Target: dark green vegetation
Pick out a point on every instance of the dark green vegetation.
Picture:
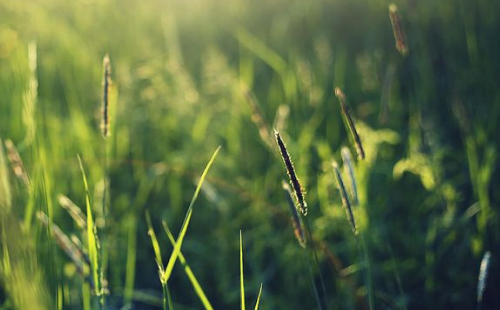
(181, 71)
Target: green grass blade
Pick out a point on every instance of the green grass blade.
(156, 245)
(196, 285)
(242, 285)
(270, 57)
(91, 233)
(258, 298)
(187, 219)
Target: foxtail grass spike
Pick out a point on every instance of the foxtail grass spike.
(297, 188)
(397, 30)
(344, 197)
(74, 211)
(17, 163)
(483, 273)
(349, 169)
(106, 82)
(297, 224)
(350, 122)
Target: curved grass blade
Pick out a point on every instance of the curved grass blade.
(189, 272)
(187, 219)
(91, 234)
(258, 298)
(156, 245)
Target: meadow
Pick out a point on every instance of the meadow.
(181, 198)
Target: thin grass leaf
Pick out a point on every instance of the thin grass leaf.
(242, 284)
(156, 245)
(91, 234)
(196, 285)
(258, 298)
(187, 219)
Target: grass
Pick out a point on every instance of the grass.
(187, 77)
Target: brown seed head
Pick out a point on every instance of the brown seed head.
(397, 29)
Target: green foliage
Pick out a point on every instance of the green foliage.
(183, 73)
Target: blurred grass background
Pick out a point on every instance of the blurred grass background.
(428, 121)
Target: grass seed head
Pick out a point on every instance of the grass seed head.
(350, 122)
(297, 223)
(297, 188)
(483, 273)
(349, 170)
(343, 196)
(397, 29)
(74, 211)
(17, 163)
(106, 83)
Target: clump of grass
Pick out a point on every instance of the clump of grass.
(94, 245)
(350, 122)
(297, 188)
(483, 274)
(397, 29)
(165, 272)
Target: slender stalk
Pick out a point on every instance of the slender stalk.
(316, 262)
(367, 270)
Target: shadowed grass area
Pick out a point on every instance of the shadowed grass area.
(420, 78)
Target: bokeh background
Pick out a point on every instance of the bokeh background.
(182, 74)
